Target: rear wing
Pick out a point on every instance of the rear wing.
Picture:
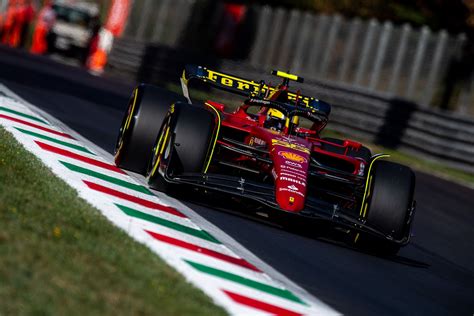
(230, 83)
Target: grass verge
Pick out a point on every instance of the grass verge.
(60, 256)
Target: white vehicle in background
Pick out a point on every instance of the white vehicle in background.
(3, 10)
(76, 25)
(3, 5)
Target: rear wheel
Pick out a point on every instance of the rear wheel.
(388, 206)
(183, 145)
(363, 151)
(147, 108)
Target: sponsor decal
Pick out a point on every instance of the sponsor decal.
(300, 172)
(232, 82)
(293, 175)
(294, 164)
(291, 191)
(247, 85)
(293, 180)
(292, 157)
(257, 141)
(293, 187)
(285, 138)
(286, 144)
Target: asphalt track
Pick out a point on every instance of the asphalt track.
(434, 275)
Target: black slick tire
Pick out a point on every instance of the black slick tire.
(147, 108)
(389, 205)
(187, 147)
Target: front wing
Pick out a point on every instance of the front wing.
(315, 210)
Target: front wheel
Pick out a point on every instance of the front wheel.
(146, 110)
(184, 144)
(388, 206)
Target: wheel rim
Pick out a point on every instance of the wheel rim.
(125, 125)
(159, 149)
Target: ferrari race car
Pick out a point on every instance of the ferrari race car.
(268, 153)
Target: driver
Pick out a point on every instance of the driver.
(275, 120)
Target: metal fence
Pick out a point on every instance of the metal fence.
(160, 21)
(380, 57)
(392, 60)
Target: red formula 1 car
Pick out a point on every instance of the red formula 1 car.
(268, 152)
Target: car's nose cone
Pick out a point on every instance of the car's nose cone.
(291, 168)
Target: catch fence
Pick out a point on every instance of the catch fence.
(395, 60)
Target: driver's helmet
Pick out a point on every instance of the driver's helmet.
(275, 120)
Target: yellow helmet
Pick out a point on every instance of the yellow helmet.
(276, 114)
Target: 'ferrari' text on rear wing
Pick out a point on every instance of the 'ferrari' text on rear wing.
(233, 84)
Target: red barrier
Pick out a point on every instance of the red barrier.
(44, 23)
(16, 21)
(114, 27)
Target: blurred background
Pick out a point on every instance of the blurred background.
(398, 73)
(420, 50)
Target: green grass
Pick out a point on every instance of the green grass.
(60, 256)
(418, 163)
(428, 166)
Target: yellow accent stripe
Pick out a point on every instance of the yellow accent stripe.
(215, 139)
(365, 210)
(367, 183)
(129, 118)
(286, 75)
(160, 153)
(158, 144)
(370, 184)
(183, 76)
(356, 237)
(127, 123)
